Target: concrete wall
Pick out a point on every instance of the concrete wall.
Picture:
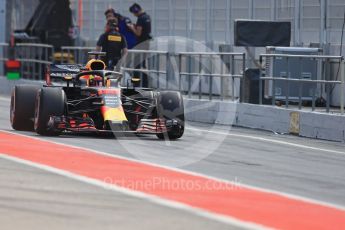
(212, 21)
(209, 21)
(275, 119)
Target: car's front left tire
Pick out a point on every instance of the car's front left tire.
(49, 102)
(23, 107)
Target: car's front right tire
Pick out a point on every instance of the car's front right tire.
(170, 107)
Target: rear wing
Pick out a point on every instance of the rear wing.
(61, 72)
(58, 70)
(73, 72)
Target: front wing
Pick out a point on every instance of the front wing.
(77, 124)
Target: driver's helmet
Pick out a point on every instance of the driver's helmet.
(93, 80)
(95, 64)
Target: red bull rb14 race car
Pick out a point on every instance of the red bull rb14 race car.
(91, 99)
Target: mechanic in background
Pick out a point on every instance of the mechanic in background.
(113, 44)
(123, 24)
(142, 29)
(109, 16)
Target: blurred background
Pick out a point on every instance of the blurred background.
(316, 22)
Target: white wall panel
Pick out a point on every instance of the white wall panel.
(210, 21)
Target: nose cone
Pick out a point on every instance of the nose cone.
(113, 114)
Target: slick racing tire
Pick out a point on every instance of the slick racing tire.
(49, 102)
(23, 107)
(170, 107)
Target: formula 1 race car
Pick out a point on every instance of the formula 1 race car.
(91, 99)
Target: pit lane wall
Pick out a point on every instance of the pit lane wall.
(279, 120)
(264, 117)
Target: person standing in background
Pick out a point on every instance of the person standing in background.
(109, 16)
(113, 44)
(123, 25)
(142, 30)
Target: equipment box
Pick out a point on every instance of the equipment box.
(292, 67)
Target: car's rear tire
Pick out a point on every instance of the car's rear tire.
(23, 107)
(49, 102)
(170, 107)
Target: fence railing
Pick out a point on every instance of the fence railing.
(152, 64)
(202, 75)
(197, 74)
(323, 64)
(3, 56)
(33, 57)
(218, 70)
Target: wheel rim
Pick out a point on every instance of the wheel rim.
(12, 109)
(37, 111)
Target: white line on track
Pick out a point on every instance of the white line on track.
(256, 138)
(265, 190)
(141, 195)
